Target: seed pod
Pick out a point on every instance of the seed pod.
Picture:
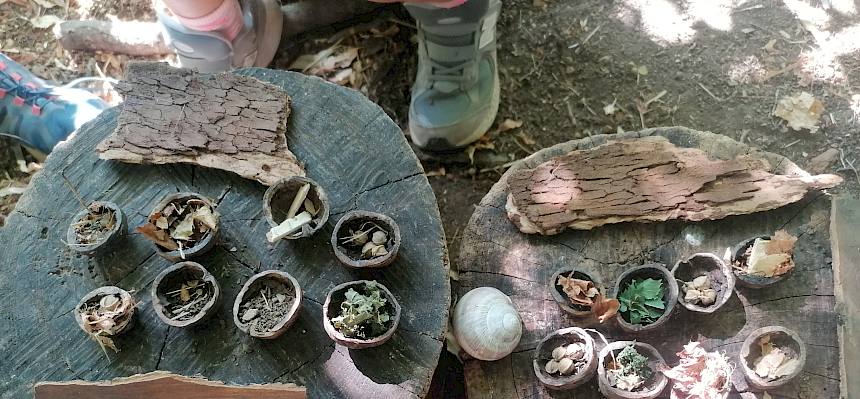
(565, 366)
(367, 249)
(379, 250)
(379, 237)
(551, 367)
(558, 353)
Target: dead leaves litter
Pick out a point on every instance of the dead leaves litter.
(181, 224)
(769, 258)
(700, 374)
(801, 111)
(775, 362)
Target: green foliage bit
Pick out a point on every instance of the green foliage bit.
(363, 316)
(642, 301)
(633, 363)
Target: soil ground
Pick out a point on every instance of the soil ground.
(570, 70)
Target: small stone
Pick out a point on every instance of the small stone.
(379, 237)
(566, 366)
(702, 282)
(708, 297)
(558, 353)
(575, 351)
(692, 295)
(280, 298)
(250, 314)
(551, 367)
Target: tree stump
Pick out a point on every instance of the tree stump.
(495, 253)
(347, 144)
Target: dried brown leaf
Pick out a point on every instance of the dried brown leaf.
(158, 236)
(604, 308)
(578, 291)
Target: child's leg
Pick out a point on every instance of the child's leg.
(208, 15)
(217, 35)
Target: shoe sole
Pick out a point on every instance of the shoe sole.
(268, 31)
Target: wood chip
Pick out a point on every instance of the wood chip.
(288, 227)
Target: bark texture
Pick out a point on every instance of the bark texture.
(647, 179)
(495, 253)
(161, 384)
(222, 121)
(333, 129)
(122, 37)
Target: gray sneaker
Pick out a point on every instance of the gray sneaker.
(255, 45)
(456, 92)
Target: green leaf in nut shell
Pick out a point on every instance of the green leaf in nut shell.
(363, 315)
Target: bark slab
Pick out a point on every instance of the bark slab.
(222, 121)
(647, 180)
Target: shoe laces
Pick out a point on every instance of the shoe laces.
(449, 73)
(29, 93)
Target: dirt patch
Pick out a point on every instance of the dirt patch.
(267, 306)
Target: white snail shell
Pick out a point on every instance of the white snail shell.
(486, 324)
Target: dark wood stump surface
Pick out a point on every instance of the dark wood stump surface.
(347, 144)
(494, 253)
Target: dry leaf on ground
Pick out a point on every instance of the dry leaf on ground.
(801, 111)
(45, 21)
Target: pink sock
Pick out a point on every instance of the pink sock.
(227, 18)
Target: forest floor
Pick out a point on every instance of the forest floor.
(568, 70)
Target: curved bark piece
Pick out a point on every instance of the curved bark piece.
(222, 121)
(647, 180)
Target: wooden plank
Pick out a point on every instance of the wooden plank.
(495, 253)
(164, 385)
(845, 220)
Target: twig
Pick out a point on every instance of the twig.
(263, 294)
(755, 7)
(182, 309)
(791, 144)
(848, 165)
(709, 93)
(502, 166)
(570, 113)
(75, 192)
(523, 147)
(587, 38)
(774, 74)
(585, 103)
